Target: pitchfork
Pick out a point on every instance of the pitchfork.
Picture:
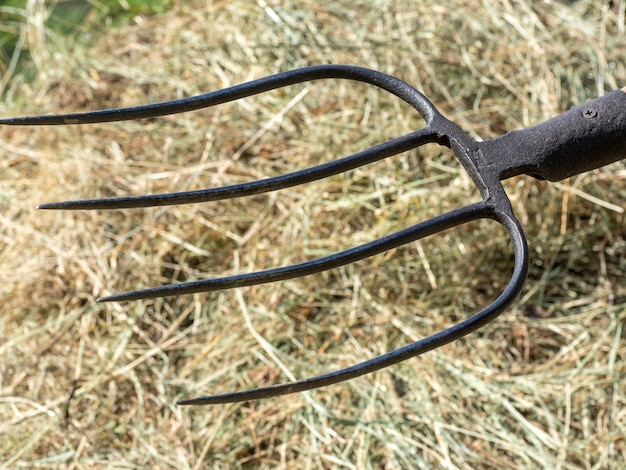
(581, 139)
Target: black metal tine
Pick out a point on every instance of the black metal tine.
(420, 230)
(255, 87)
(434, 341)
(307, 175)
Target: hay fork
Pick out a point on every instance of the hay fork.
(581, 139)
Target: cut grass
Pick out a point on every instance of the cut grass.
(90, 385)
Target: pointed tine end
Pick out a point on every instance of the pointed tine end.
(287, 388)
(67, 205)
(128, 296)
(126, 202)
(202, 401)
(81, 204)
(50, 119)
(13, 121)
(235, 397)
(167, 290)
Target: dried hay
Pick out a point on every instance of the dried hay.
(89, 385)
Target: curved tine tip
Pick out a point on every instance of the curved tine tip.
(287, 388)
(123, 297)
(91, 204)
(212, 400)
(167, 290)
(49, 206)
(46, 119)
(11, 121)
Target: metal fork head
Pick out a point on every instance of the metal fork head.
(486, 162)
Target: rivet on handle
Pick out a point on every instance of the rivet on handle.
(590, 113)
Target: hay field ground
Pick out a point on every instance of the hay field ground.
(87, 385)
